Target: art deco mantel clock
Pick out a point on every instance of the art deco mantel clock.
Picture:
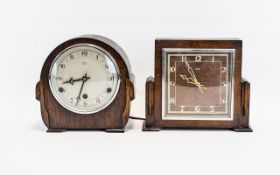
(86, 83)
(197, 84)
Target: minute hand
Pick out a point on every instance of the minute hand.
(84, 79)
(193, 79)
(190, 70)
(79, 96)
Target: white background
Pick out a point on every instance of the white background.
(29, 30)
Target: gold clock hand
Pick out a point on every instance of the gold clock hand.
(193, 80)
(196, 83)
(190, 70)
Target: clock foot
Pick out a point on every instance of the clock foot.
(242, 129)
(55, 130)
(115, 130)
(150, 128)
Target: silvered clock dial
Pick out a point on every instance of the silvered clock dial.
(84, 78)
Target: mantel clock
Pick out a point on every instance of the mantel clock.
(86, 83)
(197, 84)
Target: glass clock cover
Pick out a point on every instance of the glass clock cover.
(84, 78)
(197, 84)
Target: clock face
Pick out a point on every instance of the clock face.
(84, 78)
(197, 84)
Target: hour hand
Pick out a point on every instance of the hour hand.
(70, 81)
(194, 81)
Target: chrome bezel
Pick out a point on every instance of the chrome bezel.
(79, 111)
(166, 116)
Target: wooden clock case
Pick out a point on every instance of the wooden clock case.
(154, 121)
(113, 118)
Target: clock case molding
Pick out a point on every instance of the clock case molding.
(240, 122)
(113, 118)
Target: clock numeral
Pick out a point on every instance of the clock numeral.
(71, 56)
(62, 66)
(172, 83)
(212, 109)
(182, 108)
(172, 69)
(99, 58)
(97, 100)
(106, 66)
(84, 53)
(172, 100)
(85, 104)
(71, 100)
(197, 108)
(110, 78)
(184, 58)
(198, 59)
(223, 69)
(58, 78)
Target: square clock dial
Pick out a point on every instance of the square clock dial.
(197, 82)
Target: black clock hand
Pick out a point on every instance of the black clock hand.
(72, 81)
(79, 96)
(84, 79)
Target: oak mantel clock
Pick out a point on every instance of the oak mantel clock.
(197, 84)
(86, 83)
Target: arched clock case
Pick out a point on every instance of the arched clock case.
(114, 113)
